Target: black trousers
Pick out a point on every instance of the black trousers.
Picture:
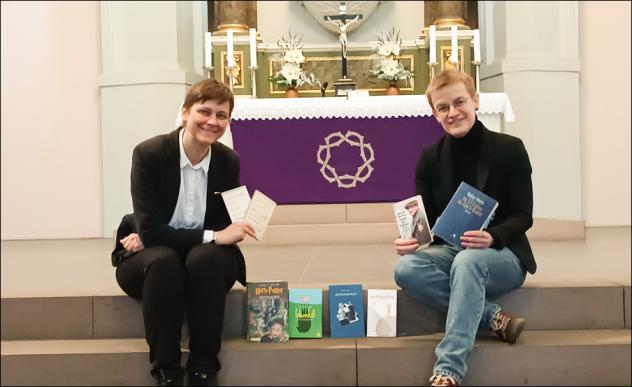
(170, 285)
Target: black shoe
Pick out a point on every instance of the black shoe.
(202, 378)
(163, 378)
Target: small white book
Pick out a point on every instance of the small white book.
(381, 313)
(237, 201)
(412, 221)
(259, 213)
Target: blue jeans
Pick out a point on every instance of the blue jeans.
(459, 282)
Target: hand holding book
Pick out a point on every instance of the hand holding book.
(249, 216)
(235, 232)
(476, 239)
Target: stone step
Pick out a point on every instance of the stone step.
(545, 307)
(375, 227)
(538, 358)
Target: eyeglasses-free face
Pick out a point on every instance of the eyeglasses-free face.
(455, 109)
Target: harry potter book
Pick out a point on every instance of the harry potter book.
(267, 311)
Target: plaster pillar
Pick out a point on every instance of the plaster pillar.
(444, 14)
(235, 15)
(530, 51)
(152, 52)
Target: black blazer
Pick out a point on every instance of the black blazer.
(503, 172)
(155, 185)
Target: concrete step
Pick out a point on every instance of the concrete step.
(545, 307)
(377, 225)
(538, 358)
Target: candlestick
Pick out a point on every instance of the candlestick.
(454, 56)
(432, 37)
(230, 56)
(208, 53)
(231, 77)
(478, 77)
(477, 46)
(253, 81)
(431, 68)
(253, 47)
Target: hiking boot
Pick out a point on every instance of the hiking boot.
(442, 380)
(507, 327)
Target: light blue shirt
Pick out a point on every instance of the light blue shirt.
(191, 206)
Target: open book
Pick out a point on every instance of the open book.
(469, 209)
(256, 211)
(412, 222)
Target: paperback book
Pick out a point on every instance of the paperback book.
(412, 221)
(256, 211)
(381, 313)
(267, 311)
(469, 209)
(346, 311)
(306, 313)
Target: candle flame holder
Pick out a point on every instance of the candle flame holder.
(253, 81)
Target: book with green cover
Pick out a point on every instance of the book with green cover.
(267, 311)
(306, 313)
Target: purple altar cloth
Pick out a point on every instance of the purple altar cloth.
(288, 159)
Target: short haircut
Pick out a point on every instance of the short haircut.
(209, 89)
(447, 78)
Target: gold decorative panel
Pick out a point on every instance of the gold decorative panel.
(329, 69)
(238, 70)
(446, 52)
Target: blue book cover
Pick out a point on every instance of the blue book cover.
(469, 209)
(346, 311)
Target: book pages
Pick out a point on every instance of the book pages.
(259, 213)
(237, 201)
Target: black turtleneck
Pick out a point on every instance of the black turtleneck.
(465, 154)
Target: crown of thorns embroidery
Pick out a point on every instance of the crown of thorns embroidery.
(354, 139)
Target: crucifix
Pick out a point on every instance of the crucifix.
(340, 21)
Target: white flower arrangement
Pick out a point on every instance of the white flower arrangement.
(291, 73)
(386, 66)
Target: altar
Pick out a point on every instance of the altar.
(338, 150)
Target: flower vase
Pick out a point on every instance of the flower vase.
(291, 92)
(392, 88)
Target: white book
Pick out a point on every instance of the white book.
(237, 201)
(412, 221)
(381, 313)
(259, 213)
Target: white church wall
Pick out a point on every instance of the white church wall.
(605, 111)
(52, 179)
(51, 139)
(541, 76)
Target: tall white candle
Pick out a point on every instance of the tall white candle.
(229, 49)
(454, 56)
(253, 47)
(477, 45)
(432, 36)
(208, 50)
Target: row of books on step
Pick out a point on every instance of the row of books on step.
(277, 314)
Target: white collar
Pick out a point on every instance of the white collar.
(184, 160)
